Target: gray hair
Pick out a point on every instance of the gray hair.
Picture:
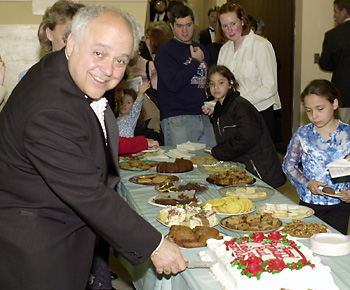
(260, 22)
(87, 14)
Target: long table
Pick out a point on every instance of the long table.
(145, 277)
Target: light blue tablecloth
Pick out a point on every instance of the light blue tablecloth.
(144, 275)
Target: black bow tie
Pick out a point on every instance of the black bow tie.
(211, 29)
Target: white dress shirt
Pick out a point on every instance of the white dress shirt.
(255, 69)
(99, 108)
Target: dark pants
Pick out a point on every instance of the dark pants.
(100, 275)
(273, 121)
(335, 215)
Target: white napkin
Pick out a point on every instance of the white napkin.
(339, 163)
(338, 168)
(176, 153)
(190, 146)
(160, 154)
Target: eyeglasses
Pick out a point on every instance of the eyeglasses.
(159, 3)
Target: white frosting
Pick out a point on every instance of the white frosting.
(229, 277)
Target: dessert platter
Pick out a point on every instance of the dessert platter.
(267, 262)
(220, 167)
(300, 229)
(137, 165)
(231, 176)
(152, 179)
(286, 211)
(182, 186)
(253, 192)
(174, 198)
(197, 237)
(190, 215)
(230, 205)
(250, 223)
(204, 160)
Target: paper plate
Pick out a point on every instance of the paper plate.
(302, 212)
(248, 188)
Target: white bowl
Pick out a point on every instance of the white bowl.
(330, 244)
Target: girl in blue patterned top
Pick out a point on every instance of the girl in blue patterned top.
(315, 145)
(129, 108)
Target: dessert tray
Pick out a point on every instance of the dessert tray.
(256, 226)
(187, 223)
(253, 192)
(216, 183)
(152, 179)
(137, 165)
(220, 167)
(182, 185)
(302, 230)
(230, 205)
(286, 211)
(151, 201)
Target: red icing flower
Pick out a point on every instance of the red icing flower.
(258, 237)
(253, 265)
(276, 264)
(275, 235)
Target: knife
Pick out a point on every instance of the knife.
(199, 264)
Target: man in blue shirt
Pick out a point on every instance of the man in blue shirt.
(182, 69)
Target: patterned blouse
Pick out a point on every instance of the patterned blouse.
(127, 124)
(308, 147)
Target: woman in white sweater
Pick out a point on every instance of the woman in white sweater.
(252, 60)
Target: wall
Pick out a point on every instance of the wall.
(19, 45)
(313, 19)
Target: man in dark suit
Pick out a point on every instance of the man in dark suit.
(207, 35)
(335, 55)
(59, 163)
(159, 12)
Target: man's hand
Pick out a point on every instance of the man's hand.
(168, 258)
(197, 53)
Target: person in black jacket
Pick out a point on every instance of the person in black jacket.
(240, 130)
(335, 56)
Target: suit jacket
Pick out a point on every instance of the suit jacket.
(204, 37)
(335, 57)
(153, 15)
(56, 180)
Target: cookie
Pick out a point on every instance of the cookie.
(328, 190)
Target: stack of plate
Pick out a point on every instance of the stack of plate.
(330, 244)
